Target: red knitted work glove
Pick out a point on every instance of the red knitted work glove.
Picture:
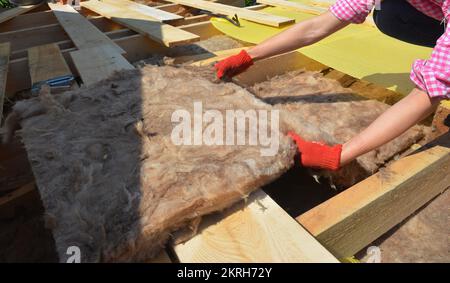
(317, 154)
(233, 65)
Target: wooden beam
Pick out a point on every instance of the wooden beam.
(29, 20)
(258, 231)
(204, 30)
(5, 50)
(356, 217)
(254, 16)
(157, 14)
(52, 32)
(29, 37)
(98, 63)
(154, 29)
(80, 30)
(46, 62)
(24, 196)
(137, 46)
(170, 7)
(11, 13)
(8, 198)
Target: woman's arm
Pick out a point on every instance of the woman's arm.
(300, 35)
(391, 124)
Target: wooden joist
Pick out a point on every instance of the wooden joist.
(256, 231)
(254, 16)
(98, 63)
(154, 29)
(157, 14)
(46, 62)
(5, 50)
(356, 217)
(11, 13)
(80, 30)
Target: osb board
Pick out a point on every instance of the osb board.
(113, 182)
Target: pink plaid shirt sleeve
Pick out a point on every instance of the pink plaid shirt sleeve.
(432, 75)
(354, 11)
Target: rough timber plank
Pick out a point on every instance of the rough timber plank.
(254, 16)
(11, 13)
(46, 62)
(98, 63)
(163, 33)
(80, 30)
(356, 217)
(259, 231)
(4, 66)
(146, 10)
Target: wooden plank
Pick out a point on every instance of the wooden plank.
(24, 196)
(10, 197)
(5, 50)
(356, 217)
(254, 16)
(11, 13)
(157, 14)
(259, 231)
(98, 63)
(29, 20)
(80, 30)
(204, 30)
(46, 62)
(294, 5)
(162, 33)
(137, 46)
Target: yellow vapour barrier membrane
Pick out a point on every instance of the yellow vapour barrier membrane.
(361, 51)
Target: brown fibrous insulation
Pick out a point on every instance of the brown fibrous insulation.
(112, 181)
(320, 109)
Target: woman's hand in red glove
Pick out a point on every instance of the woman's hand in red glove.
(233, 65)
(318, 155)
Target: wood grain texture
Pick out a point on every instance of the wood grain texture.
(157, 14)
(254, 16)
(98, 63)
(154, 29)
(5, 50)
(80, 30)
(356, 217)
(259, 231)
(11, 13)
(46, 62)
